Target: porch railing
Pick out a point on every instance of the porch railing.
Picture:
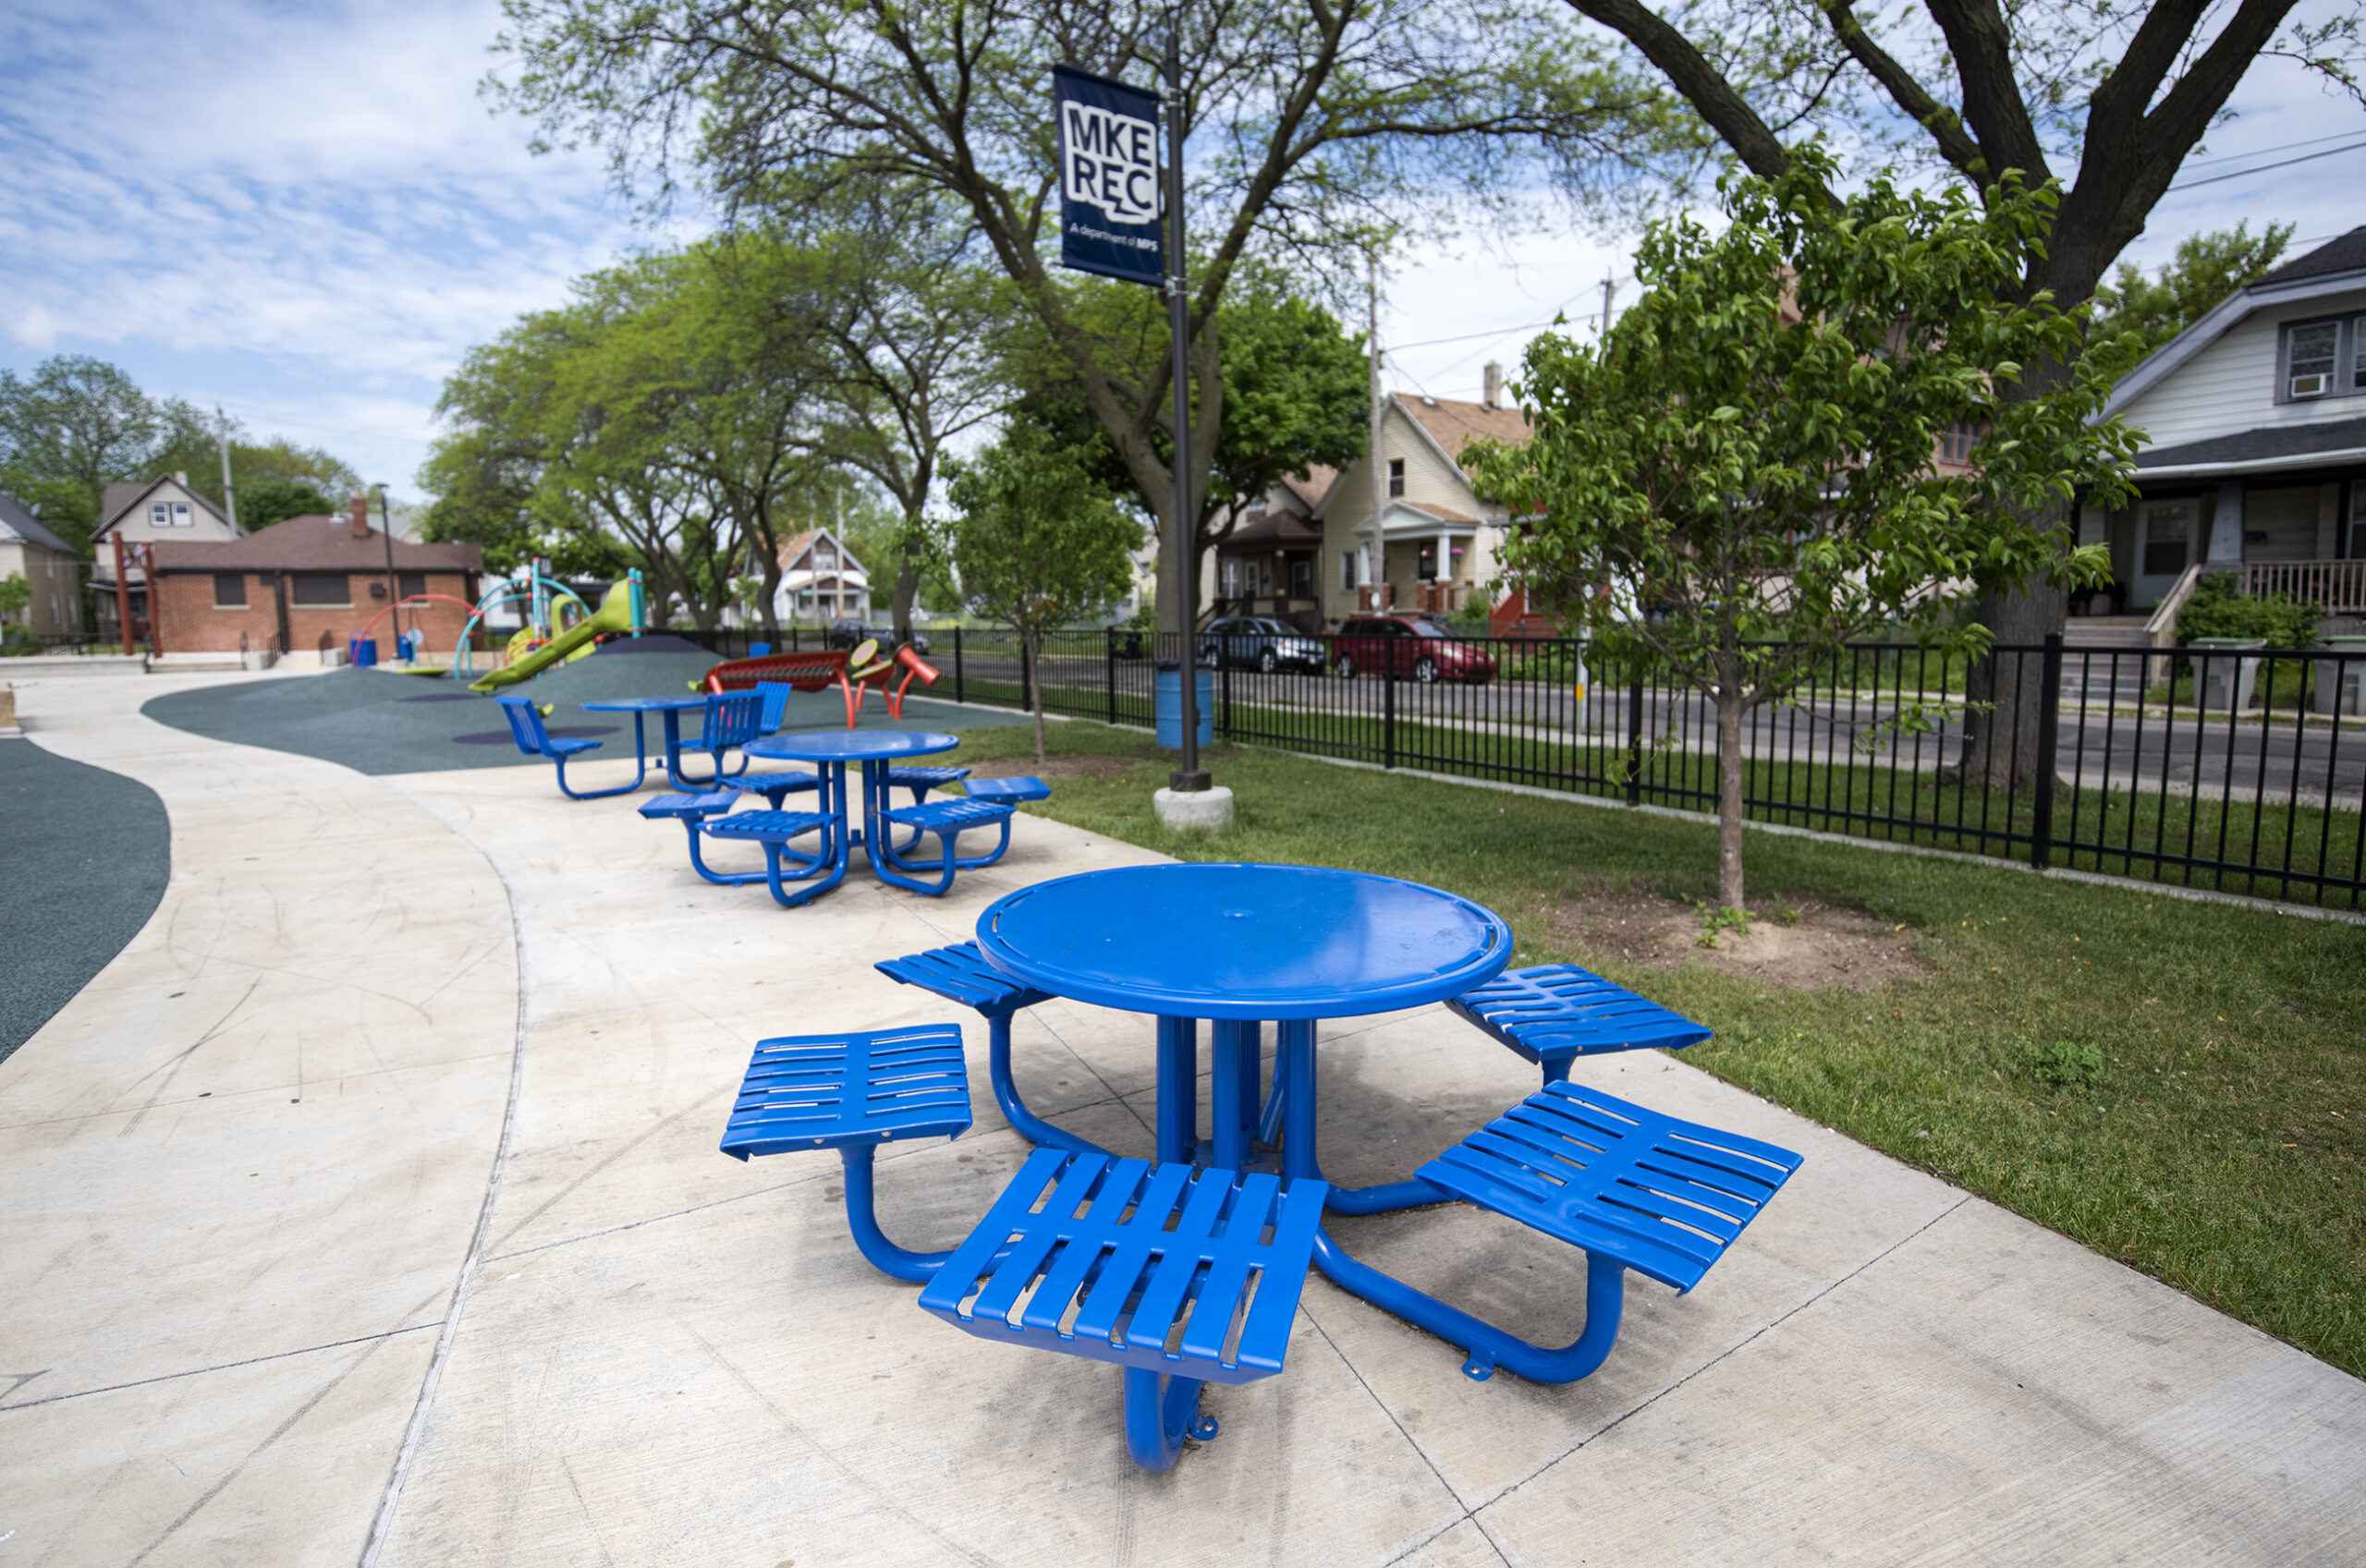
(2339, 586)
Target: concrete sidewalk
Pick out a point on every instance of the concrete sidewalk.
(236, 1263)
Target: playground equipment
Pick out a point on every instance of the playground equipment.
(414, 601)
(542, 642)
(867, 671)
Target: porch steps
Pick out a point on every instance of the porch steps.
(2089, 675)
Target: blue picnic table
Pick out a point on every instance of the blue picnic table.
(879, 751)
(672, 709)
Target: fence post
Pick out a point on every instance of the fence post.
(1109, 652)
(1387, 714)
(961, 693)
(1635, 741)
(1026, 679)
(1224, 709)
(2049, 724)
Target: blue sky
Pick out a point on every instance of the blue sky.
(306, 214)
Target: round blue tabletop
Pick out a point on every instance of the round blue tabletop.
(644, 704)
(850, 745)
(1244, 941)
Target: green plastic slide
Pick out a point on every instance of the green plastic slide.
(614, 615)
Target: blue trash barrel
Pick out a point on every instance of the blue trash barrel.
(1167, 691)
(360, 650)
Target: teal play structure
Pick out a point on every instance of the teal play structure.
(544, 640)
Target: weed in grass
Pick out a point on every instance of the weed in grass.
(2067, 1064)
(1715, 922)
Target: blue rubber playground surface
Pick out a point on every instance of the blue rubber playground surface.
(377, 721)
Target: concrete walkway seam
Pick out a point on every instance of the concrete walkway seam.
(383, 1526)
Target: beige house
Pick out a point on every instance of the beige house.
(1407, 531)
(164, 511)
(821, 581)
(49, 566)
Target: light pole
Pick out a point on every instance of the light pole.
(386, 529)
(1188, 778)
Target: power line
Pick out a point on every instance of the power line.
(2263, 151)
(2286, 163)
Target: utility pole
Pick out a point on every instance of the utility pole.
(1188, 778)
(229, 495)
(393, 588)
(1375, 554)
(1609, 287)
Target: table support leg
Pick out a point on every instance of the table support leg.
(869, 1239)
(1232, 1097)
(1179, 1089)
(1156, 1424)
(1028, 1125)
(1294, 1085)
(1485, 1346)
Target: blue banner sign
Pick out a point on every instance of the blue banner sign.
(1109, 186)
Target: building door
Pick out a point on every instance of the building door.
(2165, 534)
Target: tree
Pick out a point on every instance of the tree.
(66, 432)
(2134, 314)
(262, 503)
(1741, 479)
(1037, 541)
(1324, 126)
(1298, 390)
(1971, 89)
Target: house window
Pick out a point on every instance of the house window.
(181, 518)
(1397, 476)
(160, 516)
(320, 587)
(2166, 537)
(229, 590)
(1426, 564)
(1346, 571)
(2310, 355)
(1302, 577)
(414, 584)
(1956, 443)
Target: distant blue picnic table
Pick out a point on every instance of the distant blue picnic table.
(878, 751)
(671, 708)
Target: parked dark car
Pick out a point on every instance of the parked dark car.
(1259, 642)
(1398, 647)
(854, 634)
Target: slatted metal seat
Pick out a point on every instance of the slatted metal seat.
(775, 787)
(775, 831)
(853, 1092)
(1556, 1013)
(1008, 792)
(962, 974)
(688, 807)
(947, 820)
(534, 739)
(1172, 1269)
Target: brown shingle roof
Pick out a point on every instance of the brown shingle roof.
(1309, 487)
(313, 544)
(122, 495)
(1453, 425)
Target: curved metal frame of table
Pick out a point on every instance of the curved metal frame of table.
(671, 710)
(874, 836)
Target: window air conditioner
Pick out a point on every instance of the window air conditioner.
(2310, 386)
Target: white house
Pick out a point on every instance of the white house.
(2255, 459)
(821, 581)
(49, 566)
(160, 511)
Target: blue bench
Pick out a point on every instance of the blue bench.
(775, 787)
(690, 810)
(853, 1092)
(1113, 1259)
(526, 729)
(1556, 1013)
(1635, 1189)
(1008, 792)
(947, 820)
(775, 831)
(962, 974)
(731, 719)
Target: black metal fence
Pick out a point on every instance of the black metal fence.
(2238, 771)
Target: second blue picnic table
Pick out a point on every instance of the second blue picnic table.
(878, 751)
(671, 708)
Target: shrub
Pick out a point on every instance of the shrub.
(2216, 610)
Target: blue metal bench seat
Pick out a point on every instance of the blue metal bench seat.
(947, 820)
(962, 974)
(1116, 1260)
(1008, 792)
(853, 1092)
(533, 739)
(775, 831)
(1556, 1013)
(1634, 1188)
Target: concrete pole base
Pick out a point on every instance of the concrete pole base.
(1206, 811)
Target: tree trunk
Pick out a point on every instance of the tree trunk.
(1030, 670)
(907, 589)
(2001, 733)
(1729, 786)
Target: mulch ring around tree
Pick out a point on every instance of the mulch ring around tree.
(1807, 946)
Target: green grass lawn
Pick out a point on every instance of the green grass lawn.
(2220, 1146)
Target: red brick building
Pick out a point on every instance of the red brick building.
(306, 584)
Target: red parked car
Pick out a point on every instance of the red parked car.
(1398, 647)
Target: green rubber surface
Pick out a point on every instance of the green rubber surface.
(84, 856)
(378, 721)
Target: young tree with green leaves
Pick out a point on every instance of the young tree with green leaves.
(2134, 314)
(1320, 127)
(1038, 542)
(1742, 479)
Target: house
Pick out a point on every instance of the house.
(2255, 459)
(306, 584)
(49, 566)
(164, 511)
(821, 581)
(1272, 561)
(1417, 537)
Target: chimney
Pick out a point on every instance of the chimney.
(1495, 393)
(181, 478)
(361, 516)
